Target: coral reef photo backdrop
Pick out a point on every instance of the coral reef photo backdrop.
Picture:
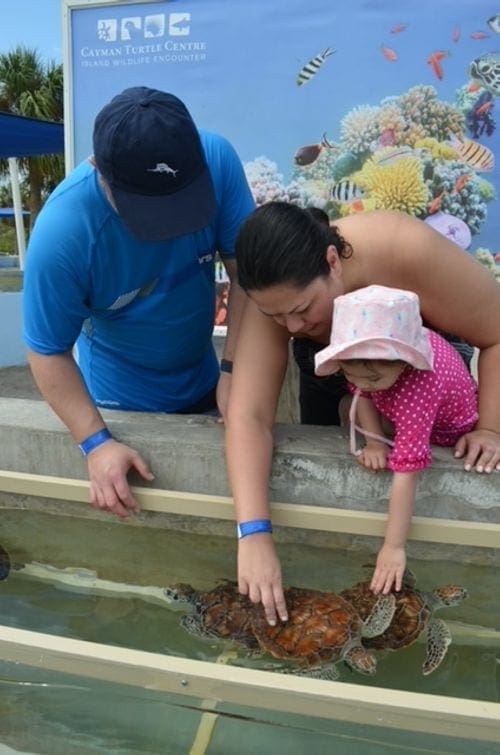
(351, 108)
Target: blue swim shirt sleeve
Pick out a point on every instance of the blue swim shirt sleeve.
(234, 198)
(55, 281)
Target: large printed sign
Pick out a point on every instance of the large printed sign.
(349, 107)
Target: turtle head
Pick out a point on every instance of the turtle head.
(449, 595)
(360, 659)
(180, 593)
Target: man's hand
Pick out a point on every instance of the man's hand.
(108, 467)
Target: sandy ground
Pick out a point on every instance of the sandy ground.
(16, 382)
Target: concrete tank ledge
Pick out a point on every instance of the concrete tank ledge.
(311, 464)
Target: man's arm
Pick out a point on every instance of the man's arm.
(61, 384)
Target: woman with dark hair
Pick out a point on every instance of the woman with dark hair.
(293, 268)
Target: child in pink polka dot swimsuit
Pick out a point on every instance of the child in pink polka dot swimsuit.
(399, 370)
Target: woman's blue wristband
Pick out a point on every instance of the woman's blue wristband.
(95, 440)
(251, 528)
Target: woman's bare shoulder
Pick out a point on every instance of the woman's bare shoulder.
(383, 222)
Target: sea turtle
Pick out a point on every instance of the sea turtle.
(413, 615)
(486, 70)
(322, 627)
(221, 612)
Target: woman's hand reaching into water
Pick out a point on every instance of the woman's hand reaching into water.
(259, 575)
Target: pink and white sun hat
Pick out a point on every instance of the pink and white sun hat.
(376, 322)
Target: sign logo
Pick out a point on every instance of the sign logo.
(137, 28)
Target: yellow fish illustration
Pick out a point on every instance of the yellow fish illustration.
(311, 69)
(474, 154)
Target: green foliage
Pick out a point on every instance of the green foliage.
(34, 89)
(7, 237)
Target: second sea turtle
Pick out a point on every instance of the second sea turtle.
(414, 614)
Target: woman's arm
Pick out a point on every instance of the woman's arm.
(236, 304)
(391, 560)
(258, 372)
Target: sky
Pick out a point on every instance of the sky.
(32, 23)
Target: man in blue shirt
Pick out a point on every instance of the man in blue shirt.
(121, 264)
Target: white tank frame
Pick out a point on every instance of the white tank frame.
(216, 683)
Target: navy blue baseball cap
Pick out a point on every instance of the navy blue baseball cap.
(148, 149)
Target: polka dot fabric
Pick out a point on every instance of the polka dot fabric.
(425, 407)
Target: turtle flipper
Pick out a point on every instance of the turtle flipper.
(380, 617)
(438, 639)
(192, 624)
(360, 659)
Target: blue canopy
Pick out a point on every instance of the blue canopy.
(9, 212)
(26, 137)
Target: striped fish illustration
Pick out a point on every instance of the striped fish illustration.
(311, 69)
(474, 154)
(346, 191)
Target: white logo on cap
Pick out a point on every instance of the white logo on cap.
(163, 168)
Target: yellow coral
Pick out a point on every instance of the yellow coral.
(398, 186)
(438, 150)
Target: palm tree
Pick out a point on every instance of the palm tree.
(31, 88)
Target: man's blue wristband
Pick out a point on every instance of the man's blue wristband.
(95, 440)
(251, 528)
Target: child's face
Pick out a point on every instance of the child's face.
(371, 374)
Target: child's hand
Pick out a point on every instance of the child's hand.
(391, 563)
(374, 456)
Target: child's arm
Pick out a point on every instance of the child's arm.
(373, 456)
(391, 560)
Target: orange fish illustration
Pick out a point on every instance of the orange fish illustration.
(479, 35)
(436, 203)
(473, 87)
(398, 28)
(357, 205)
(389, 53)
(460, 182)
(483, 109)
(455, 35)
(435, 62)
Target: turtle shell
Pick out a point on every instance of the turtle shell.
(320, 625)
(410, 617)
(223, 612)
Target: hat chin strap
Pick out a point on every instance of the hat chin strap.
(353, 427)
